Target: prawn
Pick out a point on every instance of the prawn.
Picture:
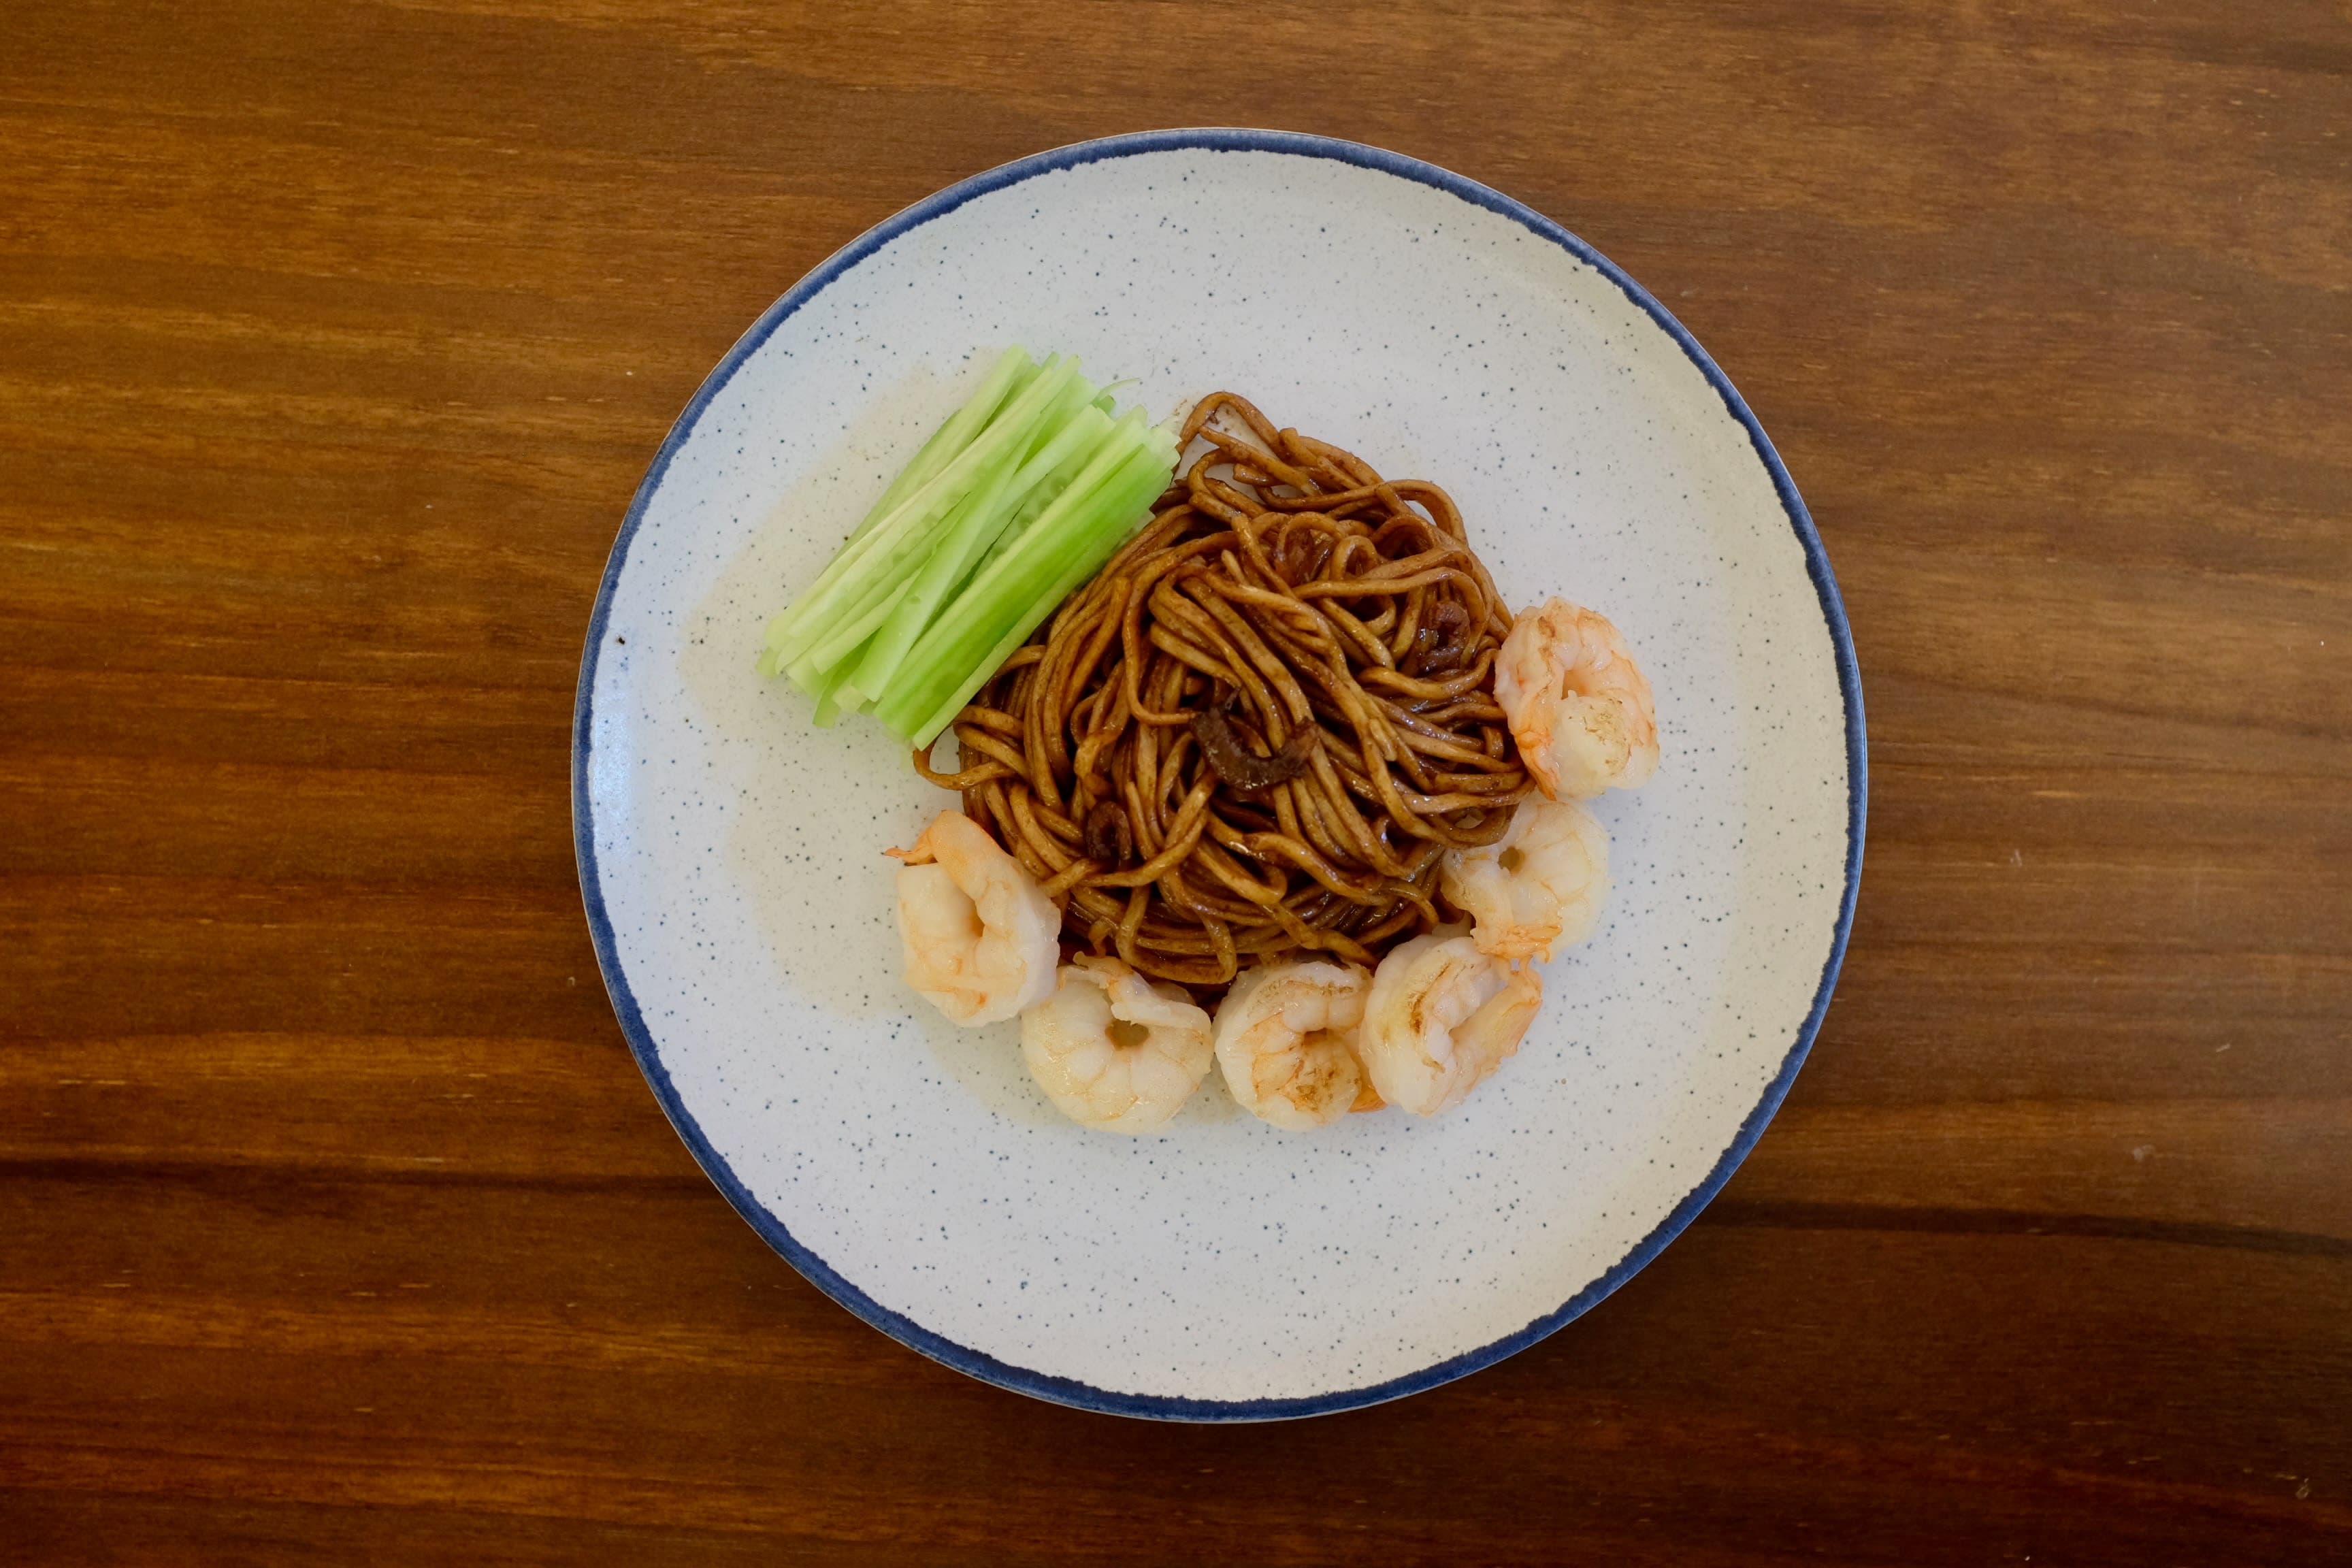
(1578, 704)
(1441, 1016)
(980, 936)
(1286, 1042)
(1538, 886)
(1113, 1050)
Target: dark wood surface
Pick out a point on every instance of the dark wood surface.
(336, 1224)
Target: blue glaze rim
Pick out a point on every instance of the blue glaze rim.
(1067, 1391)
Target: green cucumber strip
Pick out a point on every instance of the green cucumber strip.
(984, 596)
(1042, 494)
(836, 635)
(1097, 501)
(912, 526)
(1012, 370)
(856, 574)
(1010, 505)
(982, 524)
(802, 663)
(932, 581)
(1124, 505)
(837, 644)
(833, 698)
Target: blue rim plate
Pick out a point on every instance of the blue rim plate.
(632, 1018)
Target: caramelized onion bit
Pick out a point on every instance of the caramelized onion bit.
(1243, 769)
(1110, 840)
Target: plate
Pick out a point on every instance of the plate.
(730, 854)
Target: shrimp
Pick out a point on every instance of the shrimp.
(1113, 1050)
(1578, 704)
(1286, 1041)
(1441, 1016)
(980, 935)
(1538, 886)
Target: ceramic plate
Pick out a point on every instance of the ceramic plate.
(731, 855)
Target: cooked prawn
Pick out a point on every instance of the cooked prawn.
(1113, 1050)
(1441, 1016)
(979, 934)
(1538, 886)
(1286, 1042)
(1578, 704)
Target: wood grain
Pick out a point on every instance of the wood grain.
(336, 1224)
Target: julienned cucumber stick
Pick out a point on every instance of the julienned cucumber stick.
(1013, 504)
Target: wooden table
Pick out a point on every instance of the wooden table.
(336, 1224)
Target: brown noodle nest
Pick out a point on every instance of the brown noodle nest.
(1260, 726)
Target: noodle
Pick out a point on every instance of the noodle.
(1261, 725)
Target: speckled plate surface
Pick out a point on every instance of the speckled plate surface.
(730, 855)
